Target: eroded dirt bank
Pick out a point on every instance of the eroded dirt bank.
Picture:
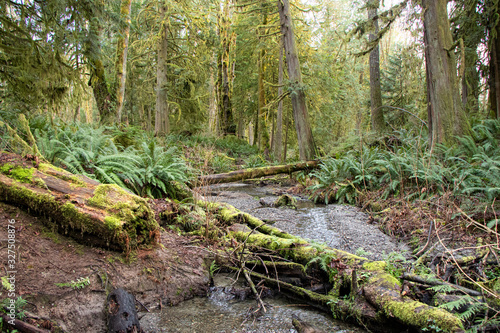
(168, 275)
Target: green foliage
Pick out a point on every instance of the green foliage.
(221, 163)
(80, 283)
(235, 147)
(407, 167)
(254, 161)
(143, 167)
(158, 168)
(19, 304)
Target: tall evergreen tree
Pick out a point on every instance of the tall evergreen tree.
(445, 110)
(377, 112)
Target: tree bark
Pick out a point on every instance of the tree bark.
(121, 57)
(255, 173)
(445, 110)
(101, 215)
(278, 139)
(122, 314)
(299, 103)
(377, 112)
(228, 126)
(494, 58)
(103, 97)
(162, 125)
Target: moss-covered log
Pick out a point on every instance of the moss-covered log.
(358, 284)
(96, 214)
(255, 173)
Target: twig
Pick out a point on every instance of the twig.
(422, 280)
(428, 240)
(485, 290)
(142, 305)
(254, 290)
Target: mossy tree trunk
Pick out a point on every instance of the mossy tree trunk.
(101, 215)
(278, 140)
(255, 173)
(224, 87)
(361, 290)
(121, 56)
(162, 125)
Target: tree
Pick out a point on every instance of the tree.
(162, 125)
(377, 113)
(224, 86)
(121, 57)
(278, 138)
(298, 96)
(445, 110)
(493, 11)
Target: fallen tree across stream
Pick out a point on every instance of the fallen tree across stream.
(352, 288)
(255, 173)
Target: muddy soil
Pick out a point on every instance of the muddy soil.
(157, 278)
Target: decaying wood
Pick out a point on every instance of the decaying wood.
(122, 314)
(101, 215)
(20, 325)
(255, 173)
(370, 296)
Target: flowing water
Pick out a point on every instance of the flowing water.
(222, 311)
(338, 226)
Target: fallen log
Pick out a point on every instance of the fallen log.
(362, 290)
(255, 173)
(93, 213)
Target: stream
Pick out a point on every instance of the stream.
(338, 226)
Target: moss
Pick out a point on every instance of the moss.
(375, 265)
(112, 222)
(23, 175)
(417, 314)
(285, 200)
(134, 213)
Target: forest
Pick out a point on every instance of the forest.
(117, 116)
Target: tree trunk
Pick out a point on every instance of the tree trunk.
(103, 97)
(494, 57)
(445, 110)
(121, 56)
(101, 215)
(162, 125)
(263, 135)
(299, 103)
(255, 173)
(377, 112)
(224, 70)
(278, 139)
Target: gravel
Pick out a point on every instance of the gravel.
(339, 226)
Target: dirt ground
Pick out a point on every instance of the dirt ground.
(176, 271)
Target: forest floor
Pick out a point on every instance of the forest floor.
(165, 276)
(172, 273)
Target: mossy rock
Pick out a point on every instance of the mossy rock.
(286, 200)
